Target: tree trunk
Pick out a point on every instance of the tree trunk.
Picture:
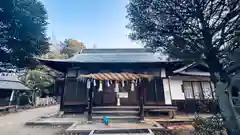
(228, 112)
(34, 98)
(223, 95)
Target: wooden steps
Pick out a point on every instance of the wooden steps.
(116, 114)
(129, 113)
(118, 118)
(116, 108)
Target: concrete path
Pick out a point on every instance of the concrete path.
(14, 123)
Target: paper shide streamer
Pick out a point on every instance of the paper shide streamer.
(116, 86)
(88, 84)
(123, 83)
(132, 85)
(100, 86)
(108, 83)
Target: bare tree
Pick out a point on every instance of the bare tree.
(198, 30)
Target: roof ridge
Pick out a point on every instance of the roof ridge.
(116, 50)
(11, 80)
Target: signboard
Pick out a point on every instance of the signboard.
(123, 94)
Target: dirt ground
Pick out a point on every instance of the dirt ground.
(14, 123)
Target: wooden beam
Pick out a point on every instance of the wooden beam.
(191, 78)
(63, 87)
(141, 104)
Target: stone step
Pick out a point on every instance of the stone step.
(115, 108)
(118, 118)
(123, 132)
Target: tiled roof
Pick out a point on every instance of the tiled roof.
(116, 57)
(106, 56)
(184, 68)
(12, 83)
(113, 56)
(118, 50)
(9, 78)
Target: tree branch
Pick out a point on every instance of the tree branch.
(217, 11)
(227, 18)
(232, 27)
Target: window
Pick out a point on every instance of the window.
(207, 91)
(188, 91)
(197, 90)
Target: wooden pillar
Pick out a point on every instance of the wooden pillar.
(12, 97)
(34, 97)
(90, 102)
(63, 88)
(141, 104)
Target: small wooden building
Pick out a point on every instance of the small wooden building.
(10, 86)
(166, 83)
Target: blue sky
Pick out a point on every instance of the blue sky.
(100, 22)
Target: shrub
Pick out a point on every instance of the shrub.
(209, 126)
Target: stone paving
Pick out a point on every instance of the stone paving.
(14, 123)
(56, 119)
(79, 123)
(112, 126)
(179, 117)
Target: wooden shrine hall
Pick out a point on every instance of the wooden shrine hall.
(127, 83)
(118, 79)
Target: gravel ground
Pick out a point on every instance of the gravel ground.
(14, 123)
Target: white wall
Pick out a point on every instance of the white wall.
(176, 89)
(167, 94)
(163, 72)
